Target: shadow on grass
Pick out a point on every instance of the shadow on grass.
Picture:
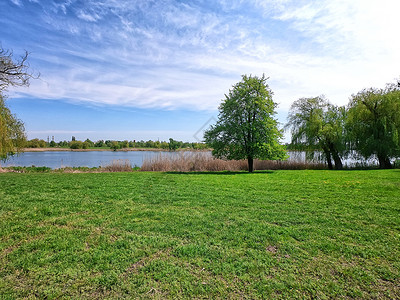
(220, 172)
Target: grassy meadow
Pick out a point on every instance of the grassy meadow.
(272, 234)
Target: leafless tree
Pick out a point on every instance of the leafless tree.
(14, 72)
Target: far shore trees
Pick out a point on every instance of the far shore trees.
(246, 128)
(317, 125)
(374, 123)
(173, 145)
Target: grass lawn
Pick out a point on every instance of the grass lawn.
(281, 234)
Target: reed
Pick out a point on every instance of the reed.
(202, 162)
(117, 165)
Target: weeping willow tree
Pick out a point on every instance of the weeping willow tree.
(374, 123)
(12, 132)
(317, 125)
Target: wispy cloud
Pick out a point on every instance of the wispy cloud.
(17, 2)
(171, 55)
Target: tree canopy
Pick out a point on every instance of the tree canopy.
(245, 128)
(374, 123)
(317, 125)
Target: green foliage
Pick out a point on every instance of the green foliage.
(374, 123)
(99, 143)
(174, 145)
(228, 235)
(85, 145)
(36, 143)
(198, 146)
(246, 128)
(76, 144)
(115, 145)
(31, 169)
(317, 125)
(12, 132)
(150, 144)
(125, 144)
(89, 143)
(396, 164)
(63, 144)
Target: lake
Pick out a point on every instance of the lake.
(60, 159)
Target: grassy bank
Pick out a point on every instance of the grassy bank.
(280, 234)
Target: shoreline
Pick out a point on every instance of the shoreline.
(103, 149)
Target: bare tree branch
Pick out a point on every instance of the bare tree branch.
(14, 73)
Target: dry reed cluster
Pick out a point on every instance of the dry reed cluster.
(202, 162)
(117, 165)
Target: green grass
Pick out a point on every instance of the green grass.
(281, 234)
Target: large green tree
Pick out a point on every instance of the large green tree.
(374, 123)
(317, 125)
(246, 128)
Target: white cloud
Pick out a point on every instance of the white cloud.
(16, 2)
(179, 56)
(180, 90)
(88, 16)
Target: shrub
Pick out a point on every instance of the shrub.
(396, 164)
(76, 145)
(115, 145)
(31, 169)
(36, 143)
(99, 143)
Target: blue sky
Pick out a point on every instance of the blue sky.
(133, 69)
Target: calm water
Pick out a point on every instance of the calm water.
(55, 159)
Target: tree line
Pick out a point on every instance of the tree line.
(368, 126)
(171, 145)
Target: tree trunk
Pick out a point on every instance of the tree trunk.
(250, 162)
(338, 161)
(329, 160)
(384, 162)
